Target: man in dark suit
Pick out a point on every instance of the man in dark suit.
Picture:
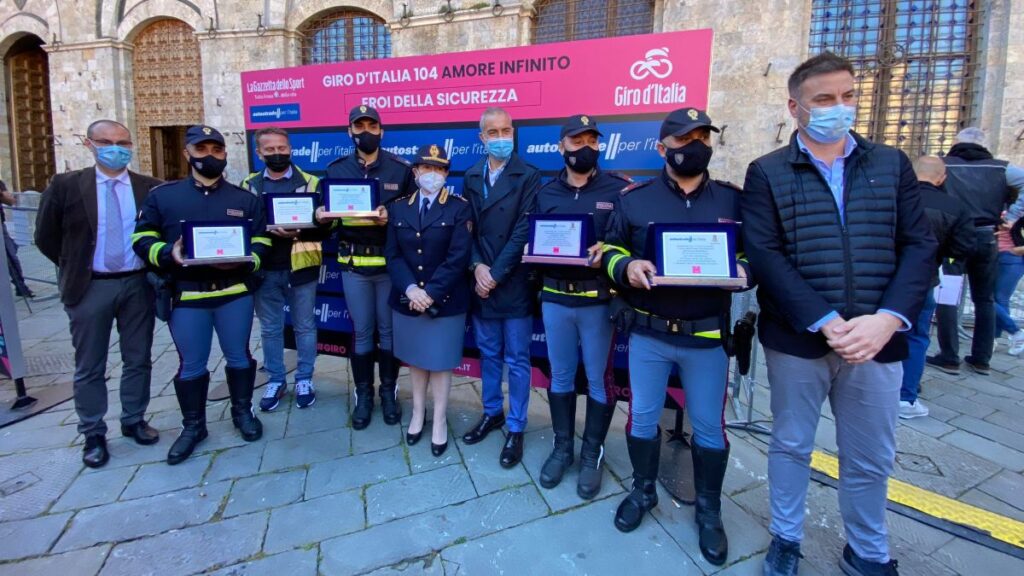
(85, 224)
(502, 190)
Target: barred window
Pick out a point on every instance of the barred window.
(344, 34)
(561, 20)
(916, 61)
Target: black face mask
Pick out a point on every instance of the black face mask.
(689, 160)
(581, 161)
(278, 162)
(208, 166)
(367, 142)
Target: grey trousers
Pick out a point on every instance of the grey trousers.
(130, 302)
(865, 402)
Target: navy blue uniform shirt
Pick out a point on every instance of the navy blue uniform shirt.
(432, 254)
(597, 197)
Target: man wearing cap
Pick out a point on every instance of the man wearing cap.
(207, 298)
(839, 242)
(679, 327)
(364, 275)
(290, 273)
(502, 189)
(575, 308)
(84, 225)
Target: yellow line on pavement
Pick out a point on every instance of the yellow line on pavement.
(999, 527)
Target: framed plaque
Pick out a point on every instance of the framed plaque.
(290, 211)
(694, 255)
(351, 197)
(561, 239)
(211, 242)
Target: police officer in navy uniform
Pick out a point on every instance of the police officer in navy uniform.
(575, 308)
(364, 275)
(675, 326)
(429, 246)
(206, 298)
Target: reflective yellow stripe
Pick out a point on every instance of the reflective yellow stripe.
(255, 262)
(358, 222)
(369, 261)
(624, 252)
(154, 253)
(587, 294)
(261, 240)
(229, 291)
(147, 234)
(611, 264)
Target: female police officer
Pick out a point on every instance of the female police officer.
(428, 251)
(575, 309)
(206, 298)
(361, 254)
(675, 326)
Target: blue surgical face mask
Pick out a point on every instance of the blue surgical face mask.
(832, 124)
(113, 157)
(500, 148)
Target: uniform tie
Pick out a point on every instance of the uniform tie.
(423, 209)
(113, 248)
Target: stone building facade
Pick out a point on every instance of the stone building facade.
(103, 58)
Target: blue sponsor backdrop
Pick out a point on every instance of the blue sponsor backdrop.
(275, 113)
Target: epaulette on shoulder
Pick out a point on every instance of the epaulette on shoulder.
(338, 159)
(728, 184)
(621, 176)
(163, 185)
(399, 159)
(634, 186)
(459, 196)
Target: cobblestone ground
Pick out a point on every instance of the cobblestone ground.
(315, 497)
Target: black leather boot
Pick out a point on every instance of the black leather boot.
(708, 472)
(563, 422)
(599, 417)
(192, 401)
(644, 455)
(387, 367)
(241, 382)
(362, 376)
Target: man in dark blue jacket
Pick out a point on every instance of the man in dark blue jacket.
(502, 189)
(837, 237)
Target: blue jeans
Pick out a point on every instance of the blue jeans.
(367, 301)
(271, 298)
(1011, 268)
(568, 330)
(192, 330)
(505, 340)
(917, 345)
(703, 372)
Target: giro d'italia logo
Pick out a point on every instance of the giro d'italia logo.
(655, 63)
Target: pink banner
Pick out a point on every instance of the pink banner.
(651, 73)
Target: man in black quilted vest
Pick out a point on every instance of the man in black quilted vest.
(834, 226)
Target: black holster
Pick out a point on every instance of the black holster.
(163, 287)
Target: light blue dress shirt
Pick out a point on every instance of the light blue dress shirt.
(126, 204)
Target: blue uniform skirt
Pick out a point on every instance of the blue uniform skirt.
(427, 343)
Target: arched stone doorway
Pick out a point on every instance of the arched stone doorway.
(27, 77)
(168, 87)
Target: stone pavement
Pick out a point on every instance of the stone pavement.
(315, 497)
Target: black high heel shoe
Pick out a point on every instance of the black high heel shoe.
(411, 439)
(438, 449)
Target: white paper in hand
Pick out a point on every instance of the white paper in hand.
(949, 289)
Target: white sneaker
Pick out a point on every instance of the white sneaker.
(1015, 343)
(915, 410)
